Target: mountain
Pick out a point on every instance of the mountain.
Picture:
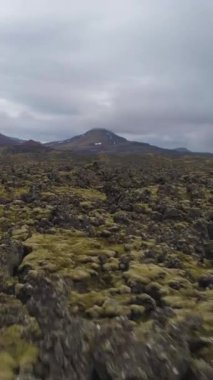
(95, 138)
(93, 141)
(182, 150)
(8, 141)
(104, 141)
(29, 146)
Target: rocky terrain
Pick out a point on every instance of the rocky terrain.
(105, 267)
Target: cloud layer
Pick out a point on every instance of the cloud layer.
(142, 68)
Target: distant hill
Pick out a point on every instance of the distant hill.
(104, 141)
(93, 141)
(29, 146)
(9, 141)
(182, 150)
(95, 138)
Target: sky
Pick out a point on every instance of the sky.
(140, 68)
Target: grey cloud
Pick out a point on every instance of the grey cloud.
(142, 68)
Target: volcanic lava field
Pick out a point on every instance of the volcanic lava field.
(106, 267)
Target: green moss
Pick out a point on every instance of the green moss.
(83, 193)
(142, 208)
(7, 366)
(146, 273)
(61, 254)
(15, 352)
(86, 205)
(87, 300)
(89, 267)
(1, 211)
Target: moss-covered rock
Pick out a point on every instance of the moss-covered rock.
(111, 239)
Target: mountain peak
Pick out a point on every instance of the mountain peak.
(99, 130)
(31, 143)
(96, 139)
(99, 140)
(182, 150)
(99, 137)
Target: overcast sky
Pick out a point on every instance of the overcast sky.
(141, 68)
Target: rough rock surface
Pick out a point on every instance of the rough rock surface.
(105, 267)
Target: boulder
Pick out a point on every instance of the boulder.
(206, 281)
(210, 230)
(209, 250)
(172, 213)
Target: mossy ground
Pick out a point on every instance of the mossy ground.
(126, 235)
(16, 355)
